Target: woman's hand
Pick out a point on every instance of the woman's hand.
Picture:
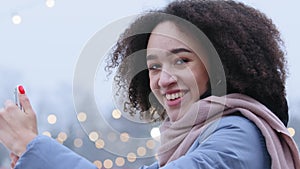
(17, 127)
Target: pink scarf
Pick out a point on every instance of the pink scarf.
(178, 136)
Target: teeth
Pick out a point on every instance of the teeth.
(174, 95)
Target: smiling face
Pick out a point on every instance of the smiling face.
(177, 75)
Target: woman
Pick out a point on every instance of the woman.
(219, 92)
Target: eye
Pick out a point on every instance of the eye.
(181, 61)
(154, 67)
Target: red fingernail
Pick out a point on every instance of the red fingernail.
(21, 89)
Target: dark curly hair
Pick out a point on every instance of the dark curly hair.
(247, 42)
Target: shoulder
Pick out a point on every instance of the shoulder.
(233, 128)
(233, 139)
(239, 125)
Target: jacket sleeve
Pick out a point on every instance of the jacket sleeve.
(235, 143)
(45, 153)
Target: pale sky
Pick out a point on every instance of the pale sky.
(45, 46)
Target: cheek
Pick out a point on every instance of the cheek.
(201, 77)
(153, 82)
(202, 81)
(154, 86)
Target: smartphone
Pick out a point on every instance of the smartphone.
(17, 101)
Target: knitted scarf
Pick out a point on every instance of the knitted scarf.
(178, 136)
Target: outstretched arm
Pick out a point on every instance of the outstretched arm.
(18, 132)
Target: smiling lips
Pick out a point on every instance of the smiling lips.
(174, 99)
(174, 96)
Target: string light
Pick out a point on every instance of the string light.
(62, 136)
(108, 163)
(16, 19)
(150, 144)
(120, 161)
(81, 117)
(116, 114)
(78, 142)
(52, 119)
(100, 144)
(131, 157)
(141, 151)
(124, 137)
(93, 136)
(98, 164)
(292, 131)
(46, 133)
(59, 140)
(50, 3)
(155, 133)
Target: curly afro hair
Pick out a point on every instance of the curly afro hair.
(247, 42)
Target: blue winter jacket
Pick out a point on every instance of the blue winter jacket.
(236, 143)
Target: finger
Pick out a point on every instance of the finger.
(13, 164)
(9, 103)
(24, 100)
(13, 157)
(10, 106)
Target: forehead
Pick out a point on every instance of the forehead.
(167, 35)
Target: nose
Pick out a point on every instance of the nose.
(166, 79)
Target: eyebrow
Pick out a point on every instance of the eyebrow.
(173, 51)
